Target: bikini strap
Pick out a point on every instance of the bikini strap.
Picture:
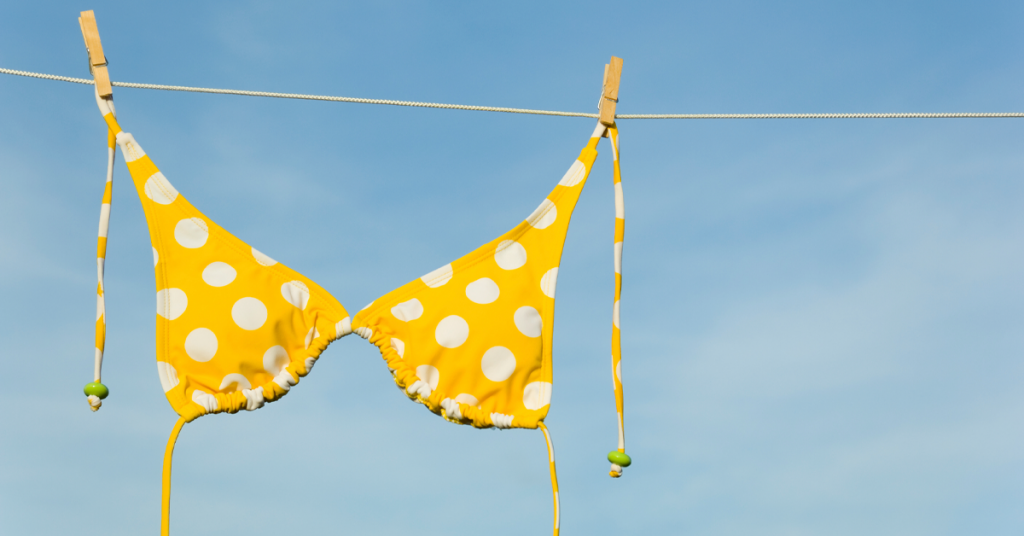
(165, 504)
(618, 458)
(95, 391)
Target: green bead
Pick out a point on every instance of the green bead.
(96, 389)
(619, 458)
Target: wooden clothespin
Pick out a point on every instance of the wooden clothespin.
(97, 61)
(610, 93)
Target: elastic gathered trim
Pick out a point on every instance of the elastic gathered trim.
(255, 398)
(435, 400)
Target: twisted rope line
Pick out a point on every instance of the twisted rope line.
(300, 96)
(905, 115)
(415, 104)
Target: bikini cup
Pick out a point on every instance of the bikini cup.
(472, 340)
(234, 327)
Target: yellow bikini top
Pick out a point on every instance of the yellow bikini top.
(470, 340)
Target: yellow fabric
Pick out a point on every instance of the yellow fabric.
(234, 328)
(472, 340)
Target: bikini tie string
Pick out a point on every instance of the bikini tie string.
(165, 508)
(618, 458)
(554, 475)
(95, 391)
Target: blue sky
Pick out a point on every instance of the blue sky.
(822, 319)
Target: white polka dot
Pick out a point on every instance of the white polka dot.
(467, 399)
(615, 313)
(428, 374)
(438, 277)
(311, 336)
(575, 174)
(367, 306)
(286, 380)
(156, 257)
(249, 313)
(528, 321)
(262, 258)
(168, 376)
(618, 370)
(219, 274)
(344, 327)
(275, 360)
(618, 257)
(451, 332)
(364, 332)
(296, 293)
(483, 290)
(510, 255)
(104, 220)
(201, 345)
(130, 148)
(254, 398)
(406, 311)
(548, 282)
(536, 395)
(399, 346)
(191, 233)
(234, 382)
(544, 215)
(206, 400)
(159, 189)
(171, 303)
(501, 420)
(498, 364)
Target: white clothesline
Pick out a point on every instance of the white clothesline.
(911, 115)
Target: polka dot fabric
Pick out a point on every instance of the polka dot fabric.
(234, 328)
(472, 340)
